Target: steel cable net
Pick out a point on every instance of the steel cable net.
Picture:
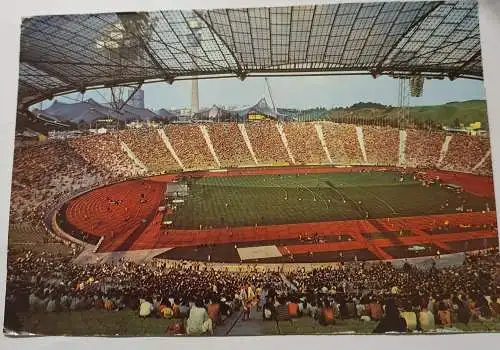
(61, 54)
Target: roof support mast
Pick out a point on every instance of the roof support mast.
(271, 96)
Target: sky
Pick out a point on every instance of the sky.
(296, 92)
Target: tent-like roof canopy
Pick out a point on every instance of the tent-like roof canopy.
(61, 54)
(88, 111)
(261, 107)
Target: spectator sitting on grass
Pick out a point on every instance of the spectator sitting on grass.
(282, 310)
(166, 310)
(145, 308)
(463, 313)
(375, 310)
(314, 310)
(175, 308)
(183, 309)
(293, 309)
(213, 310)
(225, 309)
(444, 314)
(392, 321)
(426, 319)
(410, 318)
(268, 312)
(198, 322)
(327, 314)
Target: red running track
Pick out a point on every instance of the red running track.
(90, 213)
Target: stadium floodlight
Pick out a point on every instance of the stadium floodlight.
(112, 37)
(242, 76)
(169, 80)
(375, 73)
(416, 85)
(194, 24)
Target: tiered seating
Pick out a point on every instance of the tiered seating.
(44, 171)
(96, 214)
(381, 144)
(32, 237)
(27, 233)
(148, 146)
(342, 143)
(229, 144)
(423, 148)
(104, 151)
(486, 168)
(190, 146)
(266, 142)
(464, 152)
(304, 143)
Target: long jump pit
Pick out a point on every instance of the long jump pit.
(286, 215)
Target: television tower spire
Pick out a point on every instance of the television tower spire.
(195, 98)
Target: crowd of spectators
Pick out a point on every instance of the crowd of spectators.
(381, 145)
(44, 172)
(104, 151)
(464, 152)
(190, 146)
(45, 283)
(342, 143)
(229, 144)
(423, 148)
(266, 142)
(448, 295)
(150, 149)
(304, 143)
(419, 299)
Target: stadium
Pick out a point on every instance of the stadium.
(311, 212)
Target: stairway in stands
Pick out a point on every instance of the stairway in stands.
(319, 131)
(132, 156)
(167, 143)
(444, 150)
(243, 131)
(285, 141)
(288, 283)
(361, 141)
(481, 162)
(204, 131)
(402, 147)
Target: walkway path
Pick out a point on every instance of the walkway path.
(132, 156)
(287, 282)
(206, 136)
(281, 131)
(444, 150)
(361, 141)
(243, 131)
(319, 131)
(253, 326)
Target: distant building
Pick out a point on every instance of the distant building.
(137, 100)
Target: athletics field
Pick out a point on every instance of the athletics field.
(276, 199)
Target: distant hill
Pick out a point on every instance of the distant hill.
(449, 114)
(453, 113)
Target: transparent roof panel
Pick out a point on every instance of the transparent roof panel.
(67, 53)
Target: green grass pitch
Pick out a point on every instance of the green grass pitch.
(285, 199)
